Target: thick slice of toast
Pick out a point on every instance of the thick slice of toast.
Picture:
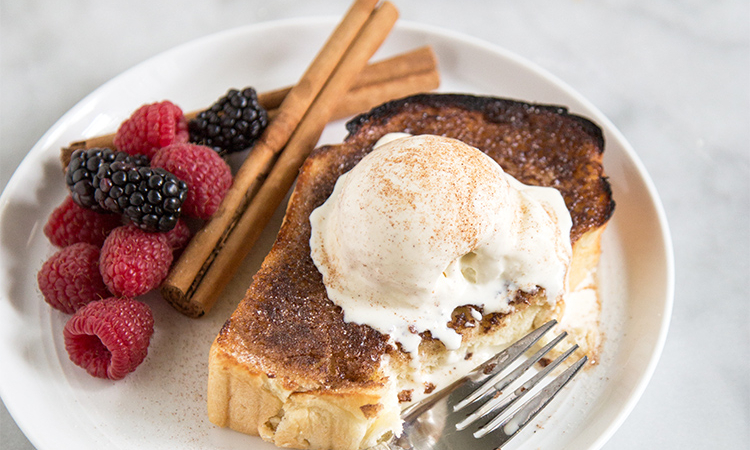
(287, 367)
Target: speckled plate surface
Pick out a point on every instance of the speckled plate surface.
(162, 404)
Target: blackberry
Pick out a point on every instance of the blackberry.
(83, 166)
(151, 198)
(231, 124)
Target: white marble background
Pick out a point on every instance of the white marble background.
(673, 76)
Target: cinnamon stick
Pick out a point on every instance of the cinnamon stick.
(365, 98)
(207, 264)
(415, 61)
(273, 191)
(397, 75)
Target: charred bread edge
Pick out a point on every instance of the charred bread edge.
(485, 105)
(489, 106)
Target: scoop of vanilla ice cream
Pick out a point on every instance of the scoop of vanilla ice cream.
(424, 224)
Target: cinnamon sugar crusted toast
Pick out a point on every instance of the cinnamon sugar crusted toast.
(287, 367)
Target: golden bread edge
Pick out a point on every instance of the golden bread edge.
(245, 399)
(250, 402)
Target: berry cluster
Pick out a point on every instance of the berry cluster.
(118, 231)
(89, 271)
(121, 225)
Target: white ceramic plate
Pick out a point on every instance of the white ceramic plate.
(162, 404)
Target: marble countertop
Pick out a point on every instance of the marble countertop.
(674, 77)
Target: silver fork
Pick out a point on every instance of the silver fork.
(474, 412)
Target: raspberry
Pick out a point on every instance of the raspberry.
(71, 223)
(134, 261)
(207, 176)
(179, 236)
(232, 124)
(70, 279)
(152, 127)
(109, 338)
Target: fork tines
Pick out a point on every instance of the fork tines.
(486, 396)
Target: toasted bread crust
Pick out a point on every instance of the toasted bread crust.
(288, 335)
(542, 145)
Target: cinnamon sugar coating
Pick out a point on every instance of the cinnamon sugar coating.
(287, 326)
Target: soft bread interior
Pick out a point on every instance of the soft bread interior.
(344, 419)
